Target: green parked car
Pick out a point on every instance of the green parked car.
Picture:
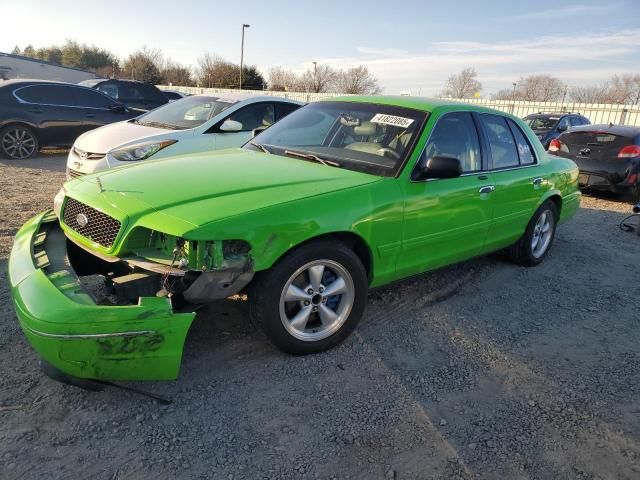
(339, 197)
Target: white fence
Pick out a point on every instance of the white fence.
(300, 96)
(596, 113)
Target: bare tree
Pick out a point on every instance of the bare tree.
(592, 94)
(318, 79)
(282, 80)
(216, 72)
(356, 80)
(144, 65)
(539, 88)
(175, 74)
(462, 85)
(624, 89)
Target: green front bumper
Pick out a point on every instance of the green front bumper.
(80, 338)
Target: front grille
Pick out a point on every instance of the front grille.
(87, 155)
(73, 173)
(99, 227)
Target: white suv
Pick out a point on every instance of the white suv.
(193, 124)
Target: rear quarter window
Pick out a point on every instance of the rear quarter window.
(525, 150)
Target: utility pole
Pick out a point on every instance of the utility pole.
(244, 25)
(513, 97)
(315, 76)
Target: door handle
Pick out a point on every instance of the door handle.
(487, 189)
(91, 115)
(537, 181)
(35, 110)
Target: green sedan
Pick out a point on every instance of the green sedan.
(339, 197)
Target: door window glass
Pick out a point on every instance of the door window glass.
(455, 136)
(563, 124)
(502, 146)
(525, 150)
(284, 109)
(110, 89)
(86, 97)
(47, 95)
(254, 116)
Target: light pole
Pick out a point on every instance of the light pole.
(513, 97)
(315, 76)
(244, 25)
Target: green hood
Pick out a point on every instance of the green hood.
(202, 188)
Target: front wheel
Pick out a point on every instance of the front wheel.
(18, 142)
(534, 245)
(311, 299)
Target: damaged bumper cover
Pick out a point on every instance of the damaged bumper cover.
(70, 331)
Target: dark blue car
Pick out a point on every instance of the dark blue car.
(548, 126)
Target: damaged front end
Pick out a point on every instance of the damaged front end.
(94, 316)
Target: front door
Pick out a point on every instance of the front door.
(252, 116)
(447, 220)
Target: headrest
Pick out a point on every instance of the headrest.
(365, 128)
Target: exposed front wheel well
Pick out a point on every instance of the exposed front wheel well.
(353, 242)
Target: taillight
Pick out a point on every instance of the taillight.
(555, 145)
(632, 179)
(629, 151)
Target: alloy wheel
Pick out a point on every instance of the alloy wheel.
(316, 300)
(18, 143)
(542, 233)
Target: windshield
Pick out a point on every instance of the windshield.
(357, 136)
(541, 123)
(187, 112)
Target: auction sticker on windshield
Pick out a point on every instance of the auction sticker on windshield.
(391, 120)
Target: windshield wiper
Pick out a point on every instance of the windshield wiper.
(160, 125)
(312, 156)
(261, 147)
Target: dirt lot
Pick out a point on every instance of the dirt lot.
(483, 370)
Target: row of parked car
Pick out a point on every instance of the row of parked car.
(36, 114)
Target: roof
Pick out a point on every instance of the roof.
(240, 96)
(416, 103)
(15, 81)
(45, 62)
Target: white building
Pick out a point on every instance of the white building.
(17, 66)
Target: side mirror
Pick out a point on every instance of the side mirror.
(258, 131)
(562, 128)
(230, 126)
(117, 108)
(439, 167)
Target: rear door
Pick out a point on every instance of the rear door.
(97, 109)
(518, 176)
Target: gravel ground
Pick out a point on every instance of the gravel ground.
(482, 370)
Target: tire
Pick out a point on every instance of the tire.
(528, 251)
(310, 321)
(635, 194)
(18, 142)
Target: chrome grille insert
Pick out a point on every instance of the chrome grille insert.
(87, 155)
(90, 223)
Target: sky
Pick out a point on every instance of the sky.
(410, 46)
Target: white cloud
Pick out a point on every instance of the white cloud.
(577, 59)
(567, 11)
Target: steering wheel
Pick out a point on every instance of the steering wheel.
(392, 153)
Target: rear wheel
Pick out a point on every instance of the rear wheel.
(534, 245)
(18, 142)
(311, 299)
